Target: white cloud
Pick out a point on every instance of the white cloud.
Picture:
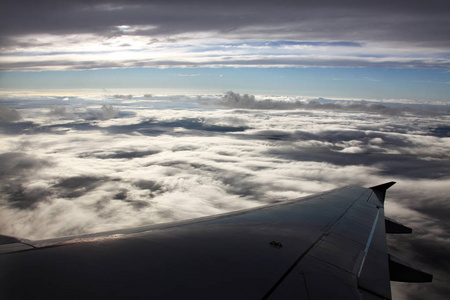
(133, 165)
(164, 35)
(90, 51)
(238, 157)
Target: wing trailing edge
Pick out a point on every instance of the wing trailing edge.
(399, 270)
(326, 246)
(404, 272)
(9, 244)
(394, 227)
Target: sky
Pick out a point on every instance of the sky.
(348, 49)
(115, 114)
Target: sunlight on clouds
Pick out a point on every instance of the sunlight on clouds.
(72, 165)
(126, 47)
(237, 158)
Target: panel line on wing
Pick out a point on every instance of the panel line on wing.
(369, 241)
(274, 287)
(327, 229)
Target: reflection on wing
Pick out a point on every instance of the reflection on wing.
(328, 246)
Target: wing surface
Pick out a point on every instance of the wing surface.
(328, 246)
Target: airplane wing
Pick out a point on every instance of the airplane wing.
(327, 246)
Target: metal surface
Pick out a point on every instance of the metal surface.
(396, 228)
(329, 246)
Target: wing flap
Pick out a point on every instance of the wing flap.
(404, 272)
(395, 227)
(14, 247)
(9, 244)
(333, 247)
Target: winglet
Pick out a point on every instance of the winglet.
(380, 190)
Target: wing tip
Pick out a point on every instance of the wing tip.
(380, 190)
(383, 187)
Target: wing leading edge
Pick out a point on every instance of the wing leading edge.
(327, 246)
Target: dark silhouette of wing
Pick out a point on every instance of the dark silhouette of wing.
(327, 246)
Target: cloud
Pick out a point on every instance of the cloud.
(188, 75)
(160, 160)
(74, 187)
(128, 97)
(17, 163)
(140, 17)
(25, 197)
(235, 100)
(113, 34)
(58, 111)
(106, 112)
(14, 166)
(10, 128)
(8, 114)
(196, 59)
(421, 204)
(120, 154)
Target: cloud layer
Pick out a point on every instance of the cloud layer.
(80, 35)
(75, 165)
(235, 100)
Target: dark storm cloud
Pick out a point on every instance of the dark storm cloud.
(417, 21)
